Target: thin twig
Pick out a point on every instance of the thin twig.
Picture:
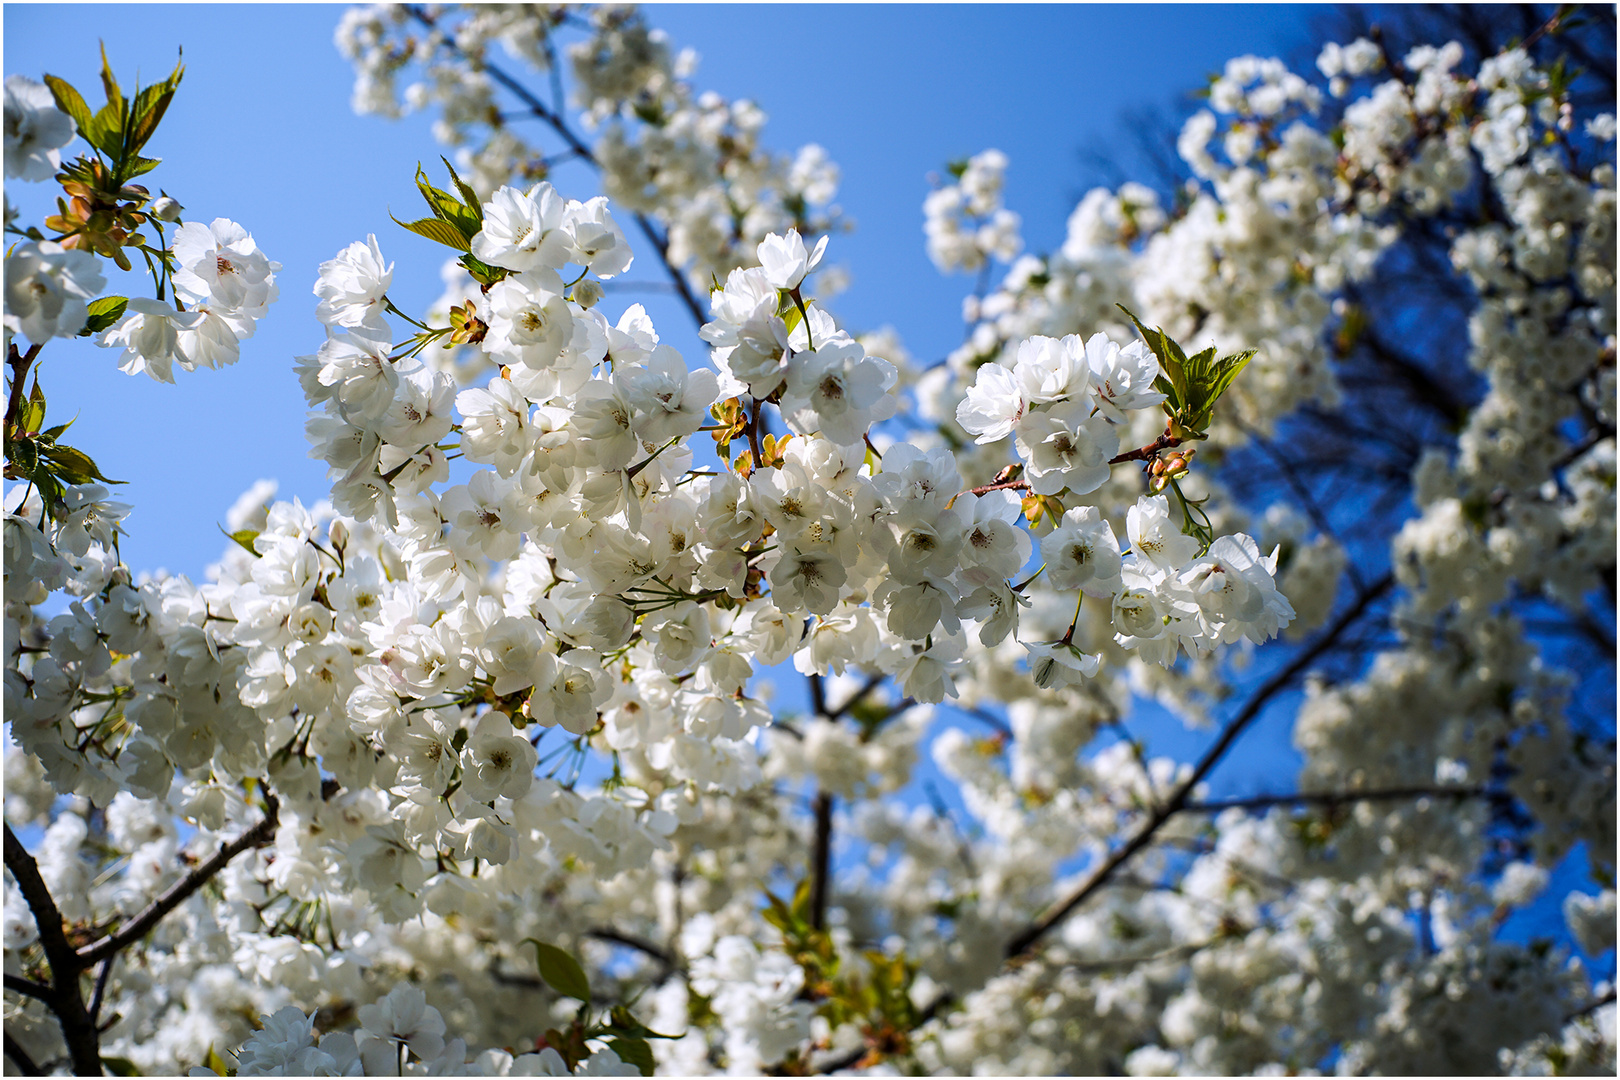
(640, 944)
(1591, 1007)
(261, 834)
(17, 1054)
(1027, 938)
(20, 985)
(101, 988)
(1337, 798)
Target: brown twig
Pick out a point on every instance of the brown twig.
(1010, 485)
(1143, 453)
(19, 985)
(665, 958)
(261, 834)
(1339, 798)
(19, 362)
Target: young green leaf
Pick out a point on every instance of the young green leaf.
(150, 105)
(448, 208)
(245, 538)
(438, 230)
(468, 195)
(633, 1052)
(69, 101)
(74, 466)
(104, 312)
(32, 413)
(109, 83)
(560, 971)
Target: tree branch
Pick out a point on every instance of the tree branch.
(20, 985)
(17, 1054)
(821, 857)
(100, 991)
(1338, 798)
(640, 944)
(560, 126)
(258, 836)
(67, 997)
(1027, 938)
(19, 363)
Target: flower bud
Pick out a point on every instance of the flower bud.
(166, 209)
(588, 293)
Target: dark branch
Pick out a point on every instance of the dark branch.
(1591, 1007)
(821, 859)
(67, 997)
(20, 985)
(1339, 798)
(24, 1063)
(1026, 939)
(100, 991)
(558, 124)
(258, 836)
(640, 944)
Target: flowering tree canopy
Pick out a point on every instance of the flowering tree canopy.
(478, 765)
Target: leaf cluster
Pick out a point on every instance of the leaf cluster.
(1190, 384)
(619, 1028)
(33, 454)
(878, 1002)
(456, 220)
(121, 128)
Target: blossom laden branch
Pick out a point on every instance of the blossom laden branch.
(67, 996)
(258, 836)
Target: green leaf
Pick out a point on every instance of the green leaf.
(561, 971)
(448, 208)
(106, 131)
(1171, 360)
(23, 455)
(109, 83)
(32, 413)
(220, 1066)
(633, 1052)
(150, 105)
(135, 165)
(52, 434)
(468, 195)
(1227, 369)
(74, 466)
(104, 312)
(245, 538)
(119, 1066)
(69, 101)
(482, 272)
(437, 230)
(625, 1023)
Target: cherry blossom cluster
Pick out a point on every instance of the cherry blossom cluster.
(519, 679)
(690, 160)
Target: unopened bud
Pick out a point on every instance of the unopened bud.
(166, 209)
(587, 294)
(339, 534)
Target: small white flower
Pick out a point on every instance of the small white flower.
(36, 131)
